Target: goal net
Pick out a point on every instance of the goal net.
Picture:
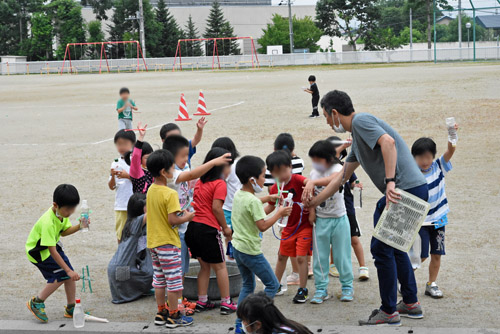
(113, 56)
(215, 53)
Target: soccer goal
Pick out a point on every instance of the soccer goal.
(198, 52)
(114, 56)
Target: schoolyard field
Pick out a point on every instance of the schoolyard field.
(59, 128)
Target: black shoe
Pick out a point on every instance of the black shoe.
(161, 318)
(201, 307)
(312, 116)
(301, 296)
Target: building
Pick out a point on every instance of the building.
(491, 22)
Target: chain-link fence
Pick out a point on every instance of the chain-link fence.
(246, 61)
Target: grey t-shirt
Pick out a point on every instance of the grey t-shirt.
(366, 130)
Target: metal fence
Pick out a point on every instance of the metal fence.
(246, 61)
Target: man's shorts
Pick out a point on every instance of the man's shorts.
(120, 221)
(51, 271)
(227, 215)
(205, 243)
(299, 244)
(355, 231)
(434, 238)
(167, 270)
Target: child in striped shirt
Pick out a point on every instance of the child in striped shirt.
(432, 231)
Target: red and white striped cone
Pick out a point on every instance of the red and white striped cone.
(202, 106)
(183, 113)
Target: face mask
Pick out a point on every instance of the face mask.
(58, 214)
(256, 188)
(340, 128)
(319, 167)
(244, 328)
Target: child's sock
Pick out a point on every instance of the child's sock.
(203, 298)
(38, 300)
(162, 307)
(70, 306)
(226, 300)
(173, 312)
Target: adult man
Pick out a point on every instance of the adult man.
(385, 157)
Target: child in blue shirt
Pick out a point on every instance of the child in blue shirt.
(432, 231)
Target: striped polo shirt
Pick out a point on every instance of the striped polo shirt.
(437, 195)
(297, 168)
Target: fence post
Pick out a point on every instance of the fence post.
(28, 68)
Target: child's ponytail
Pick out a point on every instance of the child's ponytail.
(135, 208)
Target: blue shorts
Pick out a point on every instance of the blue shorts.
(227, 215)
(51, 271)
(434, 238)
(184, 255)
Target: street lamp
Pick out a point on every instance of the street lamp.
(468, 25)
(290, 22)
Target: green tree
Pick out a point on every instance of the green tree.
(427, 6)
(40, 42)
(99, 7)
(306, 34)
(218, 27)
(170, 32)
(192, 48)
(354, 19)
(69, 26)
(122, 29)
(95, 35)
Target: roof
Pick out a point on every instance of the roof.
(489, 21)
(445, 17)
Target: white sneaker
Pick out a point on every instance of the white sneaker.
(432, 289)
(364, 273)
(293, 279)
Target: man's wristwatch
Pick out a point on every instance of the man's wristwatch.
(389, 179)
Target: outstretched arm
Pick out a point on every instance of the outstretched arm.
(203, 169)
(199, 132)
(264, 224)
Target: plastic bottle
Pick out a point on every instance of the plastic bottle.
(284, 282)
(180, 307)
(452, 132)
(357, 193)
(78, 315)
(116, 166)
(288, 202)
(84, 216)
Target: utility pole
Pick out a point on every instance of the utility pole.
(411, 31)
(460, 24)
(290, 23)
(140, 16)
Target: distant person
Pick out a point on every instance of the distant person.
(388, 162)
(259, 315)
(130, 271)
(44, 250)
(171, 129)
(125, 106)
(119, 178)
(314, 91)
(432, 232)
(249, 219)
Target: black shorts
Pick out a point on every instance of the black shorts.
(355, 232)
(204, 242)
(51, 271)
(433, 237)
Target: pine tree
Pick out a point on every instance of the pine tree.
(170, 31)
(217, 26)
(193, 49)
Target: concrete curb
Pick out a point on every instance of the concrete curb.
(66, 327)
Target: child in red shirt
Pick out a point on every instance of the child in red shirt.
(296, 239)
(203, 235)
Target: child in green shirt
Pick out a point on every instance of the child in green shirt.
(124, 107)
(248, 220)
(44, 251)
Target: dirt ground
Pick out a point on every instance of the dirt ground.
(58, 129)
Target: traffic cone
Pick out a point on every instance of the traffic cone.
(183, 113)
(202, 106)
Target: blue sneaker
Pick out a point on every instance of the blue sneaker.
(319, 297)
(178, 320)
(347, 295)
